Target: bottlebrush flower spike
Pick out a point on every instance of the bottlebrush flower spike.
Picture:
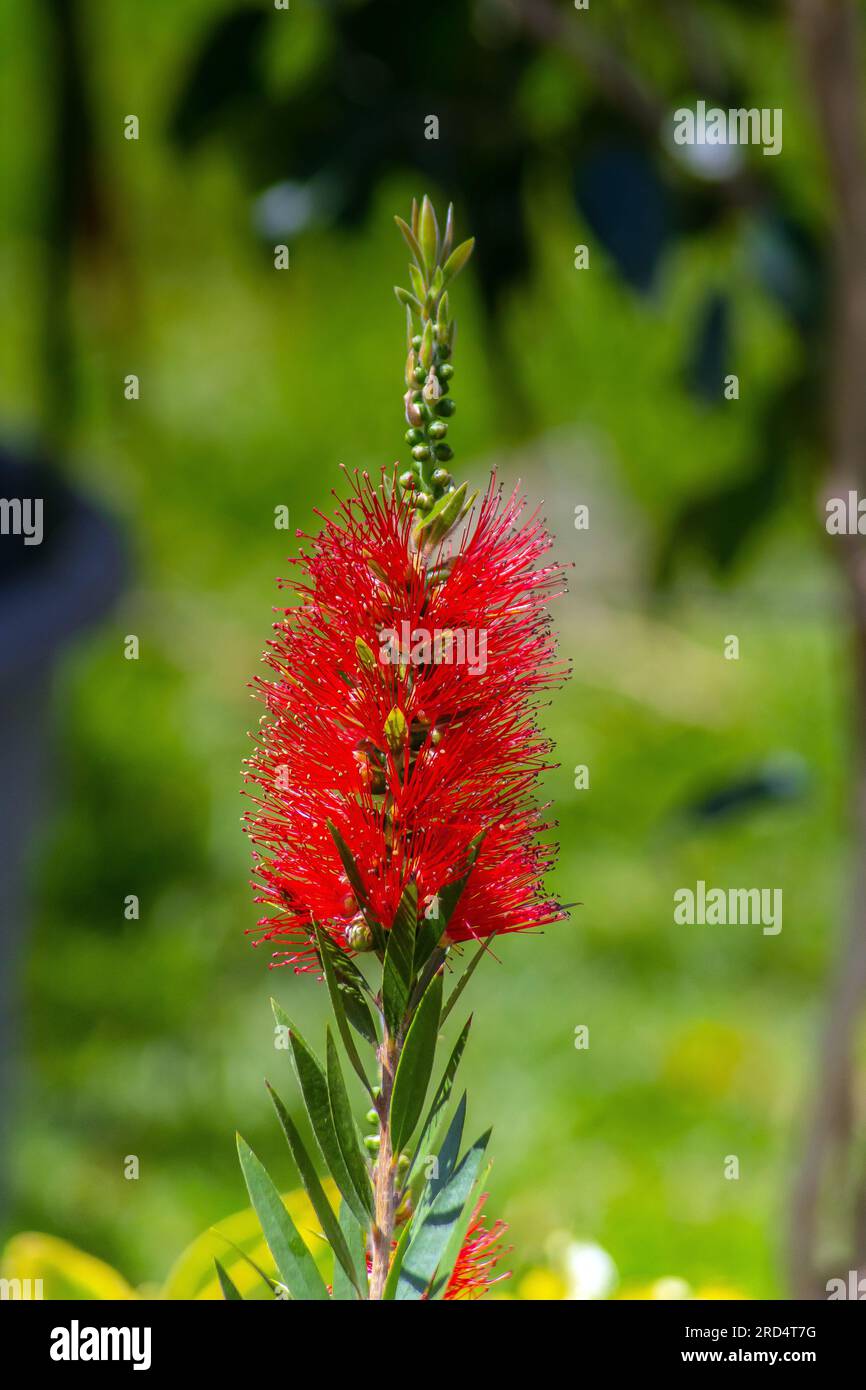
(394, 778)
(472, 1276)
(403, 713)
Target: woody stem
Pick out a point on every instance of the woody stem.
(384, 1173)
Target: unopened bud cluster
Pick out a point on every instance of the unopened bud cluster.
(430, 338)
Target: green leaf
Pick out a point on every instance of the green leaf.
(344, 1288)
(428, 234)
(425, 352)
(270, 1283)
(338, 1006)
(430, 1239)
(313, 1188)
(411, 241)
(440, 1099)
(347, 859)
(357, 885)
(451, 1253)
(293, 1260)
(314, 1089)
(229, 1290)
(457, 260)
(397, 972)
(444, 515)
(461, 984)
(408, 299)
(344, 1124)
(446, 1161)
(415, 1066)
(418, 284)
(435, 924)
(448, 237)
(353, 991)
(390, 1289)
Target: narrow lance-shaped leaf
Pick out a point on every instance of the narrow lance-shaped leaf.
(448, 236)
(431, 1237)
(446, 1161)
(344, 1124)
(428, 234)
(271, 1284)
(393, 1279)
(344, 1288)
(440, 1100)
(415, 1066)
(447, 512)
(408, 299)
(451, 1253)
(458, 989)
(356, 882)
(314, 1089)
(411, 241)
(296, 1265)
(314, 1190)
(337, 1005)
(435, 922)
(353, 992)
(457, 260)
(418, 285)
(399, 957)
(230, 1290)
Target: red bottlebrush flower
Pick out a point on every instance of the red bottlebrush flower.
(403, 711)
(472, 1275)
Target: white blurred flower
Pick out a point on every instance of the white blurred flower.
(587, 1270)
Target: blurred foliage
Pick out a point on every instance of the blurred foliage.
(60, 1271)
(146, 1037)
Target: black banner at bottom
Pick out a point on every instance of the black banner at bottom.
(84, 1339)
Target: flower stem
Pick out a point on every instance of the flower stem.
(384, 1173)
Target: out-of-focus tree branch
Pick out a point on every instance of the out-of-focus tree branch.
(830, 39)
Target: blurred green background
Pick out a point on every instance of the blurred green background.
(152, 1037)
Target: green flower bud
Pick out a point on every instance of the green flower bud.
(444, 351)
(441, 476)
(408, 481)
(420, 375)
(438, 429)
(421, 453)
(365, 654)
(372, 1142)
(414, 436)
(396, 729)
(423, 501)
(359, 936)
(372, 1117)
(446, 371)
(444, 452)
(445, 407)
